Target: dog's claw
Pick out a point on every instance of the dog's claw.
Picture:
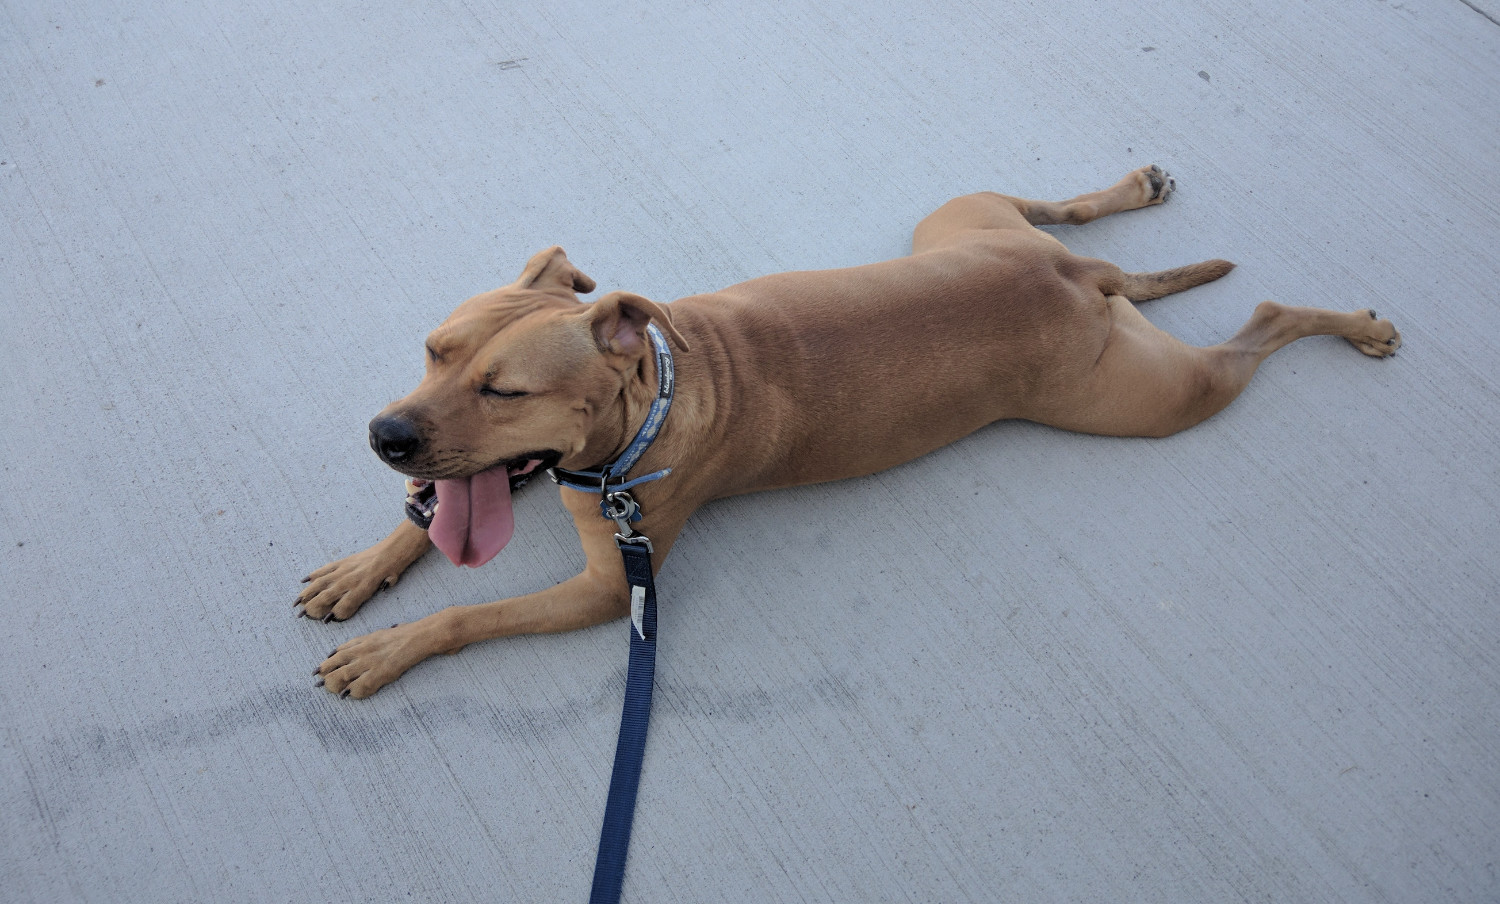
(344, 692)
(319, 682)
(328, 618)
(352, 580)
(1373, 315)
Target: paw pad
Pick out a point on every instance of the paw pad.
(1161, 182)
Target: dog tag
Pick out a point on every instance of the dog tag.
(638, 610)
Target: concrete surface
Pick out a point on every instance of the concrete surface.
(1256, 662)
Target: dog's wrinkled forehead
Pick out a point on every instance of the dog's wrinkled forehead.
(476, 322)
(511, 329)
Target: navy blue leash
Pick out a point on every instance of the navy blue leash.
(630, 751)
(617, 504)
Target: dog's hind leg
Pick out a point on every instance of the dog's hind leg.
(1275, 325)
(1147, 382)
(1143, 187)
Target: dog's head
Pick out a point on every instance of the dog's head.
(520, 378)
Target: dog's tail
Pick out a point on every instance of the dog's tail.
(1146, 286)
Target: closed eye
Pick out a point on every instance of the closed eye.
(502, 393)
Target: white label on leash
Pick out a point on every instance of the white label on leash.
(638, 610)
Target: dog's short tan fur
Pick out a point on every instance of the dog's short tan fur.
(792, 379)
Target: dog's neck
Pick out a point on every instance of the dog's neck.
(645, 400)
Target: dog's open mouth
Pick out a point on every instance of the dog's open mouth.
(471, 518)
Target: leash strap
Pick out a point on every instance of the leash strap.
(630, 750)
(617, 504)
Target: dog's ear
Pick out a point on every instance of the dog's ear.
(619, 323)
(552, 269)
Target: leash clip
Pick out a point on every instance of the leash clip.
(637, 540)
(622, 508)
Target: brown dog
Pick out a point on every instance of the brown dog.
(788, 379)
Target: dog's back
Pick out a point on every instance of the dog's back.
(854, 370)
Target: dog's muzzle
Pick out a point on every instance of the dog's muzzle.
(394, 439)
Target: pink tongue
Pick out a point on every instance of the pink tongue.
(473, 520)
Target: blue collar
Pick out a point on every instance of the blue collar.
(603, 478)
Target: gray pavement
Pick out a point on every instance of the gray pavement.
(1259, 661)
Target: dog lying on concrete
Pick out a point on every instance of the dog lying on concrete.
(787, 379)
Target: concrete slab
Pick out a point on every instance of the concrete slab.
(1257, 661)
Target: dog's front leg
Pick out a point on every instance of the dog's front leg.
(365, 664)
(337, 590)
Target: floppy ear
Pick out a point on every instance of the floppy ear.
(619, 323)
(552, 269)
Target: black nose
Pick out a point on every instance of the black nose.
(394, 439)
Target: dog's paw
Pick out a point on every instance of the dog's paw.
(1375, 337)
(362, 666)
(337, 590)
(1154, 183)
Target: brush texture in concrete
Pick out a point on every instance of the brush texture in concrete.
(1257, 661)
